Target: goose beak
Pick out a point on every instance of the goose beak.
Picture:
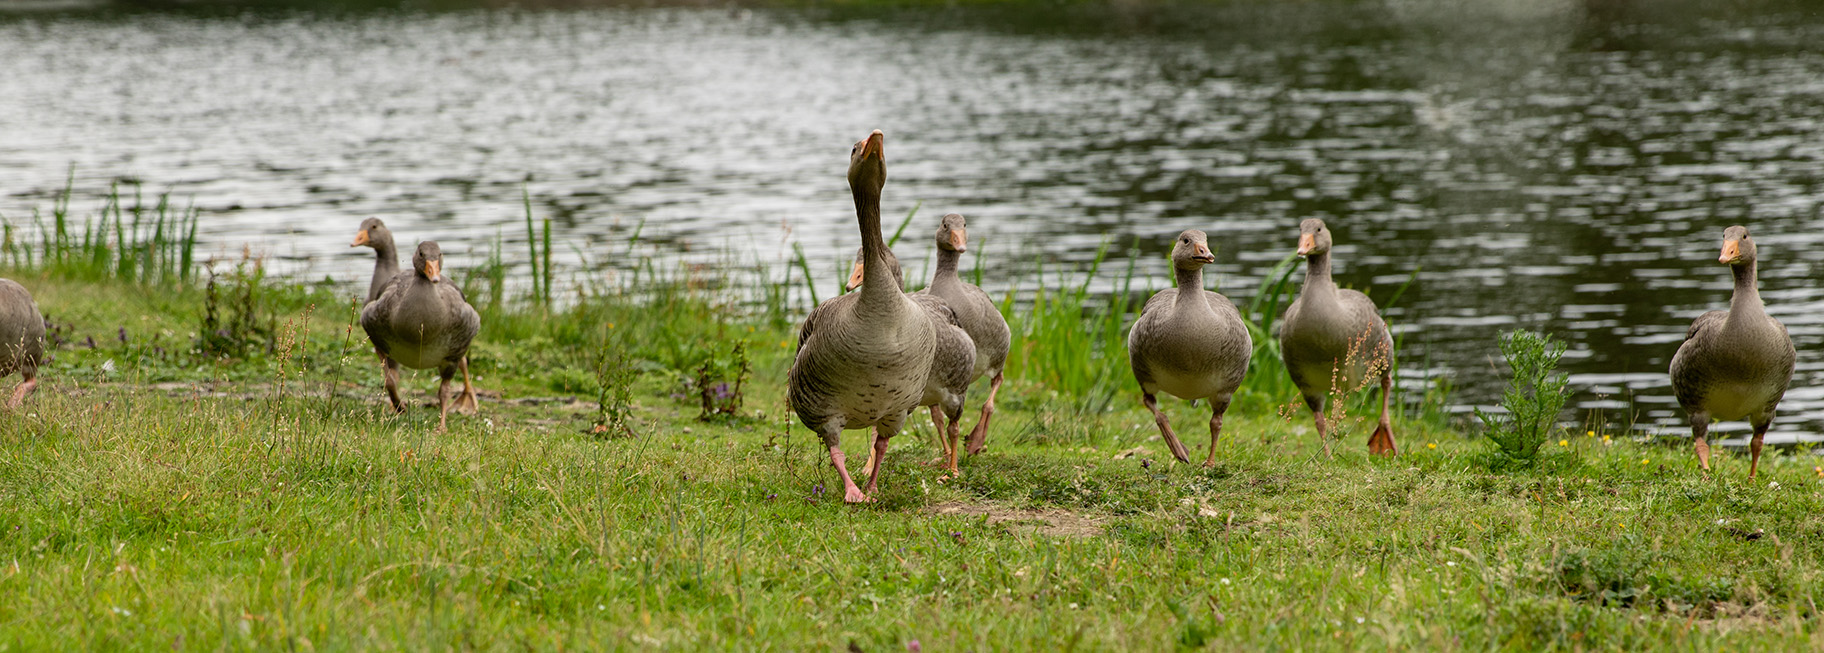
(959, 239)
(855, 277)
(360, 238)
(1203, 255)
(1306, 243)
(433, 269)
(875, 147)
(1732, 252)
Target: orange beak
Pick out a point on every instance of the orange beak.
(855, 277)
(959, 239)
(875, 147)
(1203, 254)
(360, 238)
(1732, 250)
(1306, 242)
(432, 269)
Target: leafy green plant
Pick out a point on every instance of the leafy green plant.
(719, 382)
(231, 321)
(1530, 406)
(615, 374)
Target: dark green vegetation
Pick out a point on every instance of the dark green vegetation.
(1532, 402)
(213, 468)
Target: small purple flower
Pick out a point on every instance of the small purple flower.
(721, 391)
(89, 342)
(914, 647)
(770, 497)
(817, 491)
(123, 335)
(1146, 463)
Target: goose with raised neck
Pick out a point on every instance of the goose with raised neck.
(1189, 342)
(1333, 341)
(864, 357)
(1737, 363)
(952, 363)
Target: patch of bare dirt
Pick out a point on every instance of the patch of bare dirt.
(1053, 522)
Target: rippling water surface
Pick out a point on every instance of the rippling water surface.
(1568, 166)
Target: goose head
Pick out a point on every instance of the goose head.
(953, 233)
(868, 163)
(1313, 238)
(427, 261)
(1738, 248)
(372, 233)
(1192, 251)
(899, 274)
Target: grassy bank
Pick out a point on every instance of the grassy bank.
(209, 465)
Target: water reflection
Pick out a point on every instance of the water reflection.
(1565, 166)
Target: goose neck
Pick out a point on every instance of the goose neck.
(1188, 281)
(947, 262)
(386, 264)
(1317, 277)
(1745, 303)
(877, 280)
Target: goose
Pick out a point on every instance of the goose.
(422, 322)
(1189, 342)
(374, 234)
(1334, 339)
(953, 365)
(21, 338)
(863, 358)
(1734, 363)
(976, 314)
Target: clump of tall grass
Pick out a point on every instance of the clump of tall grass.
(125, 240)
(1268, 384)
(1530, 405)
(1070, 341)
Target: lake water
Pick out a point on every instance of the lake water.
(1566, 166)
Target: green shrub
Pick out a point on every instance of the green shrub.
(1535, 394)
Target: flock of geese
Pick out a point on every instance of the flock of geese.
(867, 359)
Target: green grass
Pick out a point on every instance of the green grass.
(265, 500)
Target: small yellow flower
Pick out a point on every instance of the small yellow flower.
(1643, 461)
(610, 325)
(1605, 439)
(1589, 433)
(1564, 443)
(1434, 445)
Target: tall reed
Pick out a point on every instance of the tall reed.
(153, 244)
